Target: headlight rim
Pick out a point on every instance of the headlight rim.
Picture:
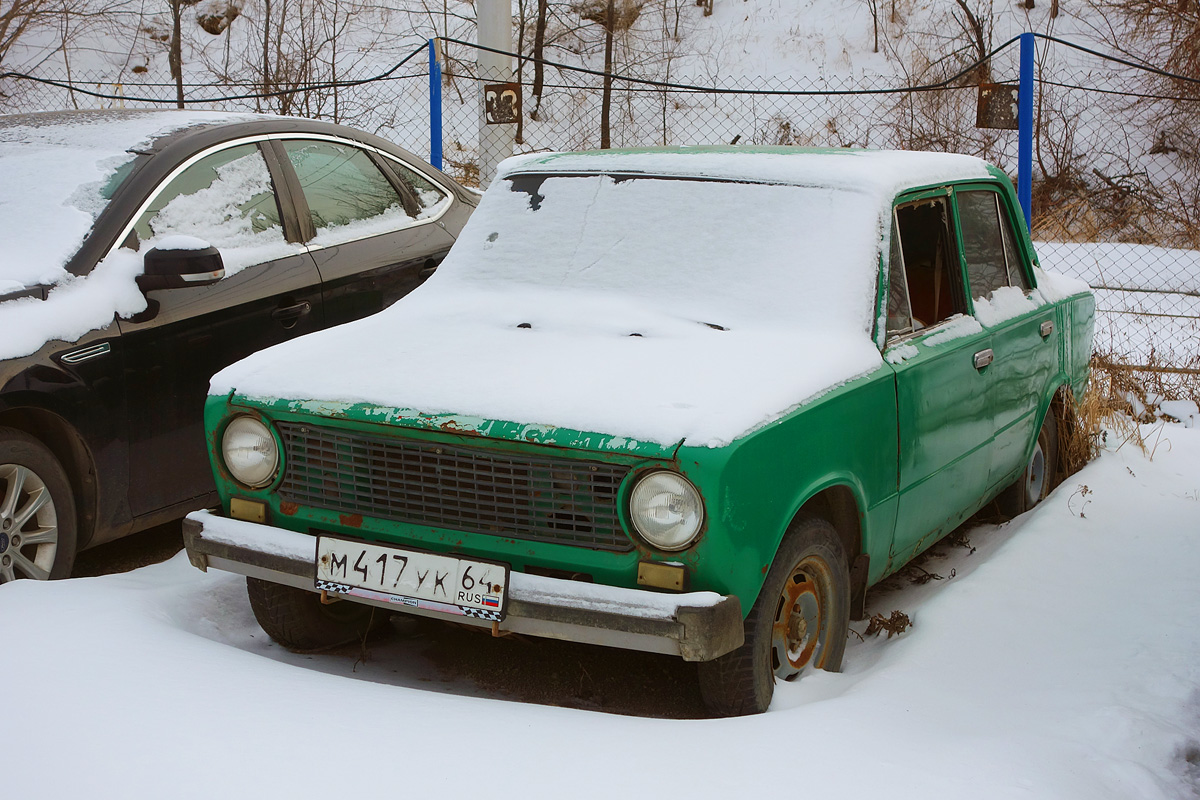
(638, 480)
(276, 471)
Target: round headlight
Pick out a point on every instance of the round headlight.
(250, 452)
(666, 510)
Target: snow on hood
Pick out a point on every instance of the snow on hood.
(55, 169)
(654, 308)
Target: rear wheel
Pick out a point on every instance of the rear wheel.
(1037, 479)
(298, 620)
(37, 511)
(799, 623)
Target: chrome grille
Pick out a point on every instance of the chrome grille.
(541, 499)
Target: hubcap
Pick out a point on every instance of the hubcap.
(28, 525)
(800, 630)
(1035, 481)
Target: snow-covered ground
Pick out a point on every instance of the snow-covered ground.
(1059, 661)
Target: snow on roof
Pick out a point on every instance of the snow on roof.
(658, 310)
(55, 166)
(876, 171)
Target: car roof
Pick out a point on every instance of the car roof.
(872, 171)
(113, 129)
(58, 162)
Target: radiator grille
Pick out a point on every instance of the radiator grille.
(542, 499)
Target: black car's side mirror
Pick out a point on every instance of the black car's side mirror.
(175, 269)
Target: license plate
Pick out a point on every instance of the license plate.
(464, 587)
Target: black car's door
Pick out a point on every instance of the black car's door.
(271, 292)
(375, 237)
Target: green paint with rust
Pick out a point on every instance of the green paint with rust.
(908, 451)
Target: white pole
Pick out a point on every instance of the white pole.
(494, 26)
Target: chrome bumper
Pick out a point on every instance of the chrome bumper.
(697, 626)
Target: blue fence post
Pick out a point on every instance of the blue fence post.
(1025, 129)
(435, 106)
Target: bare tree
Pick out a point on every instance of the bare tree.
(539, 54)
(977, 28)
(19, 17)
(611, 18)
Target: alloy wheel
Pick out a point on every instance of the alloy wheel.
(28, 525)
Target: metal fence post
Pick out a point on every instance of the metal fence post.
(435, 106)
(1025, 129)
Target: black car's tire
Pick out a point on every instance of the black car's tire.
(298, 620)
(37, 511)
(799, 622)
(1037, 479)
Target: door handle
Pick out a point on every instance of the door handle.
(1046, 328)
(427, 270)
(983, 358)
(288, 316)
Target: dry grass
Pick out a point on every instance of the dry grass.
(1117, 402)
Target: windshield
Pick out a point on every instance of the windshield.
(716, 251)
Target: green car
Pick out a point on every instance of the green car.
(692, 401)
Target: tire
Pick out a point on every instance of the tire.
(296, 618)
(37, 511)
(1037, 479)
(810, 576)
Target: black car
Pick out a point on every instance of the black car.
(142, 252)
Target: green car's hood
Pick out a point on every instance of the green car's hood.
(462, 425)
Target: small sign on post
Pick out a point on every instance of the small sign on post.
(502, 103)
(997, 107)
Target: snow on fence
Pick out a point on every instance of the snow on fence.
(1104, 193)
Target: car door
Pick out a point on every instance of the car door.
(935, 348)
(373, 222)
(271, 292)
(1024, 341)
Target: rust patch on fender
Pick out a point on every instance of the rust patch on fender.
(288, 508)
(350, 520)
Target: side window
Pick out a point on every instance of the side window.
(899, 314)
(929, 266)
(225, 198)
(343, 187)
(987, 244)
(1016, 277)
(429, 196)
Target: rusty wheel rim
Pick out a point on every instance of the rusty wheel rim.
(801, 624)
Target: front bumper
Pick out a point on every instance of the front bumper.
(697, 626)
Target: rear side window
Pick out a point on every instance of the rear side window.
(429, 197)
(988, 244)
(342, 185)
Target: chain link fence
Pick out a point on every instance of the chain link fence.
(1115, 206)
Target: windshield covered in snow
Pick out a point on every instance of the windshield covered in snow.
(722, 252)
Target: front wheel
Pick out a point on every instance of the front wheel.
(37, 511)
(799, 623)
(1037, 479)
(298, 620)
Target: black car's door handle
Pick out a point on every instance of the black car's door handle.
(288, 316)
(427, 270)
